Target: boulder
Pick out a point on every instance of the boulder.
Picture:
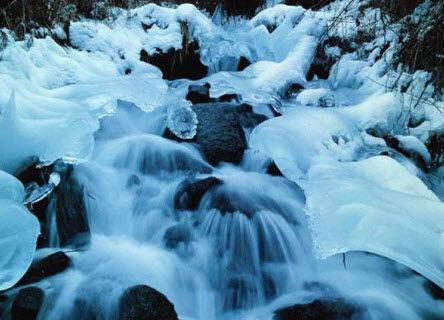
(243, 64)
(38, 177)
(145, 303)
(46, 267)
(71, 216)
(435, 145)
(177, 234)
(190, 192)
(320, 309)
(199, 94)
(27, 304)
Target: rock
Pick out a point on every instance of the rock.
(308, 4)
(243, 64)
(435, 145)
(248, 118)
(435, 291)
(321, 309)
(46, 267)
(38, 177)
(274, 170)
(72, 221)
(219, 133)
(220, 130)
(245, 8)
(394, 143)
(229, 97)
(178, 64)
(190, 192)
(175, 235)
(27, 304)
(145, 303)
(199, 94)
(292, 89)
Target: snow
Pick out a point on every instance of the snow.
(19, 230)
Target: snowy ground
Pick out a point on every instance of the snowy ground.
(52, 99)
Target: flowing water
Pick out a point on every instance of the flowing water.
(245, 251)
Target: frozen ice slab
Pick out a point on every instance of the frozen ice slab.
(376, 205)
(19, 230)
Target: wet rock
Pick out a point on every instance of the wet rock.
(36, 177)
(243, 64)
(248, 118)
(435, 291)
(46, 267)
(175, 235)
(178, 64)
(27, 304)
(292, 89)
(241, 8)
(220, 130)
(190, 192)
(394, 143)
(219, 133)
(229, 97)
(145, 303)
(323, 61)
(435, 145)
(321, 309)
(308, 4)
(274, 170)
(199, 94)
(72, 221)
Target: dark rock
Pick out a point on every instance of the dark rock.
(72, 221)
(178, 64)
(435, 291)
(321, 65)
(248, 118)
(308, 4)
(46, 267)
(229, 97)
(190, 192)
(145, 303)
(175, 235)
(292, 89)
(415, 156)
(133, 180)
(274, 170)
(435, 145)
(40, 177)
(243, 64)
(219, 133)
(322, 309)
(199, 94)
(241, 8)
(27, 304)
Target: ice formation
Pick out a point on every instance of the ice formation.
(182, 120)
(19, 230)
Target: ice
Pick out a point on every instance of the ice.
(35, 193)
(49, 139)
(376, 205)
(19, 230)
(182, 120)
